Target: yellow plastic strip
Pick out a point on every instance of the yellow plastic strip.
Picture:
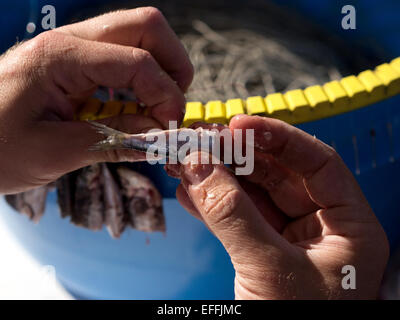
(356, 91)
(337, 96)
(234, 107)
(215, 112)
(90, 109)
(319, 101)
(296, 106)
(110, 109)
(255, 105)
(390, 77)
(194, 113)
(374, 86)
(277, 108)
(395, 64)
(130, 107)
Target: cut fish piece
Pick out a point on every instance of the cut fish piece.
(31, 203)
(142, 201)
(66, 186)
(88, 203)
(113, 205)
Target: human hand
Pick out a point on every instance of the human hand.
(44, 80)
(291, 225)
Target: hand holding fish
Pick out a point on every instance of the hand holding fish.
(45, 79)
(292, 225)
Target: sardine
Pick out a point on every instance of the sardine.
(88, 203)
(31, 203)
(66, 186)
(173, 140)
(113, 205)
(142, 201)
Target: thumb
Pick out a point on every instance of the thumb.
(229, 212)
(64, 145)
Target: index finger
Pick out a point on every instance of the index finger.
(145, 28)
(326, 178)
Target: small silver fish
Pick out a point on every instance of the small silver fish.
(194, 139)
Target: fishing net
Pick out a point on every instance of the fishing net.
(248, 48)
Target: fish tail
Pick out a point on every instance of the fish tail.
(114, 138)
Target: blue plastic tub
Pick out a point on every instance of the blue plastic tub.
(188, 262)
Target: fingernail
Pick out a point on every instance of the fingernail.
(196, 171)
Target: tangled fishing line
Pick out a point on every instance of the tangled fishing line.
(255, 48)
(247, 48)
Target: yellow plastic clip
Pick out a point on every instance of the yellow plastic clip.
(255, 105)
(395, 64)
(298, 104)
(337, 96)
(111, 108)
(390, 77)
(319, 102)
(356, 91)
(277, 108)
(90, 109)
(234, 107)
(215, 112)
(373, 84)
(130, 107)
(194, 113)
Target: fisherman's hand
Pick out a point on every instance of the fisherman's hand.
(293, 224)
(44, 79)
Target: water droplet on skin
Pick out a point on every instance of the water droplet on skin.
(259, 146)
(30, 27)
(211, 196)
(105, 27)
(239, 116)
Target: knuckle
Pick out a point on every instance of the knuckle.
(39, 53)
(152, 16)
(38, 46)
(221, 207)
(142, 57)
(175, 97)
